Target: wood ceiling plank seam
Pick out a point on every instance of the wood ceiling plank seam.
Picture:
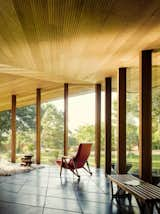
(61, 35)
(70, 54)
(40, 13)
(4, 57)
(26, 50)
(4, 47)
(51, 38)
(26, 97)
(82, 24)
(7, 59)
(5, 78)
(88, 40)
(38, 20)
(53, 88)
(141, 25)
(69, 6)
(108, 10)
(138, 39)
(69, 24)
(79, 25)
(14, 80)
(77, 18)
(13, 41)
(34, 87)
(56, 40)
(28, 27)
(108, 6)
(55, 34)
(64, 43)
(18, 34)
(21, 86)
(31, 77)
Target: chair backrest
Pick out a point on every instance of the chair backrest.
(82, 155)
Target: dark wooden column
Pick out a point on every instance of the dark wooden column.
(145, 123)
(98, 125)
(121, 168)
(66, 119)
(38, 125)
(108, 132)
(13, 129)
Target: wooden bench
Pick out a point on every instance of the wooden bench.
(146, 194)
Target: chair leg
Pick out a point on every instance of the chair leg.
(61, 170)
(88, 170)
(76, 173)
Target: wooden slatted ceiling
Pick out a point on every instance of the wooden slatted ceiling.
(25, 89)
(49, 42)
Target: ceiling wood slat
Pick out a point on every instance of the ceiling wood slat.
(46, 43)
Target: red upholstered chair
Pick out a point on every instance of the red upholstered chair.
(78, 161)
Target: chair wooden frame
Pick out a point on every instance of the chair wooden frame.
(75, 170)
(72, 163)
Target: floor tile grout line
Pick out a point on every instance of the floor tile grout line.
(81, 211)
(22, 186)
(49, 171)
(22, 204)
(94, 182)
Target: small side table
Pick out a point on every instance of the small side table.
(26, 160)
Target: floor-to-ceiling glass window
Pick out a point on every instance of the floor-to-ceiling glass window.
(132, 120)
(52, 131)
(25, 131)
(5, 137)
(102, 128)
(81, 118)
(156, 114)
(114, 116)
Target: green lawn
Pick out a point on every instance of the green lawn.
(50, 157)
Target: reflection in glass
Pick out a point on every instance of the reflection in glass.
(114, 116)
(155, 113)
(5, 138)
(25, 131)
(132, 125)
(52, 131)
(81, 118)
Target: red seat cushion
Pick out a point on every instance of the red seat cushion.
(59, 162)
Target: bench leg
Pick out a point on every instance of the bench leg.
(145, 207)
(120, 194)
(157, 207)
(112, 189)
(129, 198)
(140, 205)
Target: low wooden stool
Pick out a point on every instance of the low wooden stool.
(26, 160)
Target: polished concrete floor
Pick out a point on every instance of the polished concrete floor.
(41, 191)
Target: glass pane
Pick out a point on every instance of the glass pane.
(132, 126)
(114, 117)
(52, 131)
(102, 129)
(5, 138)
(25, 133)
(156, 115)
(81, 119)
